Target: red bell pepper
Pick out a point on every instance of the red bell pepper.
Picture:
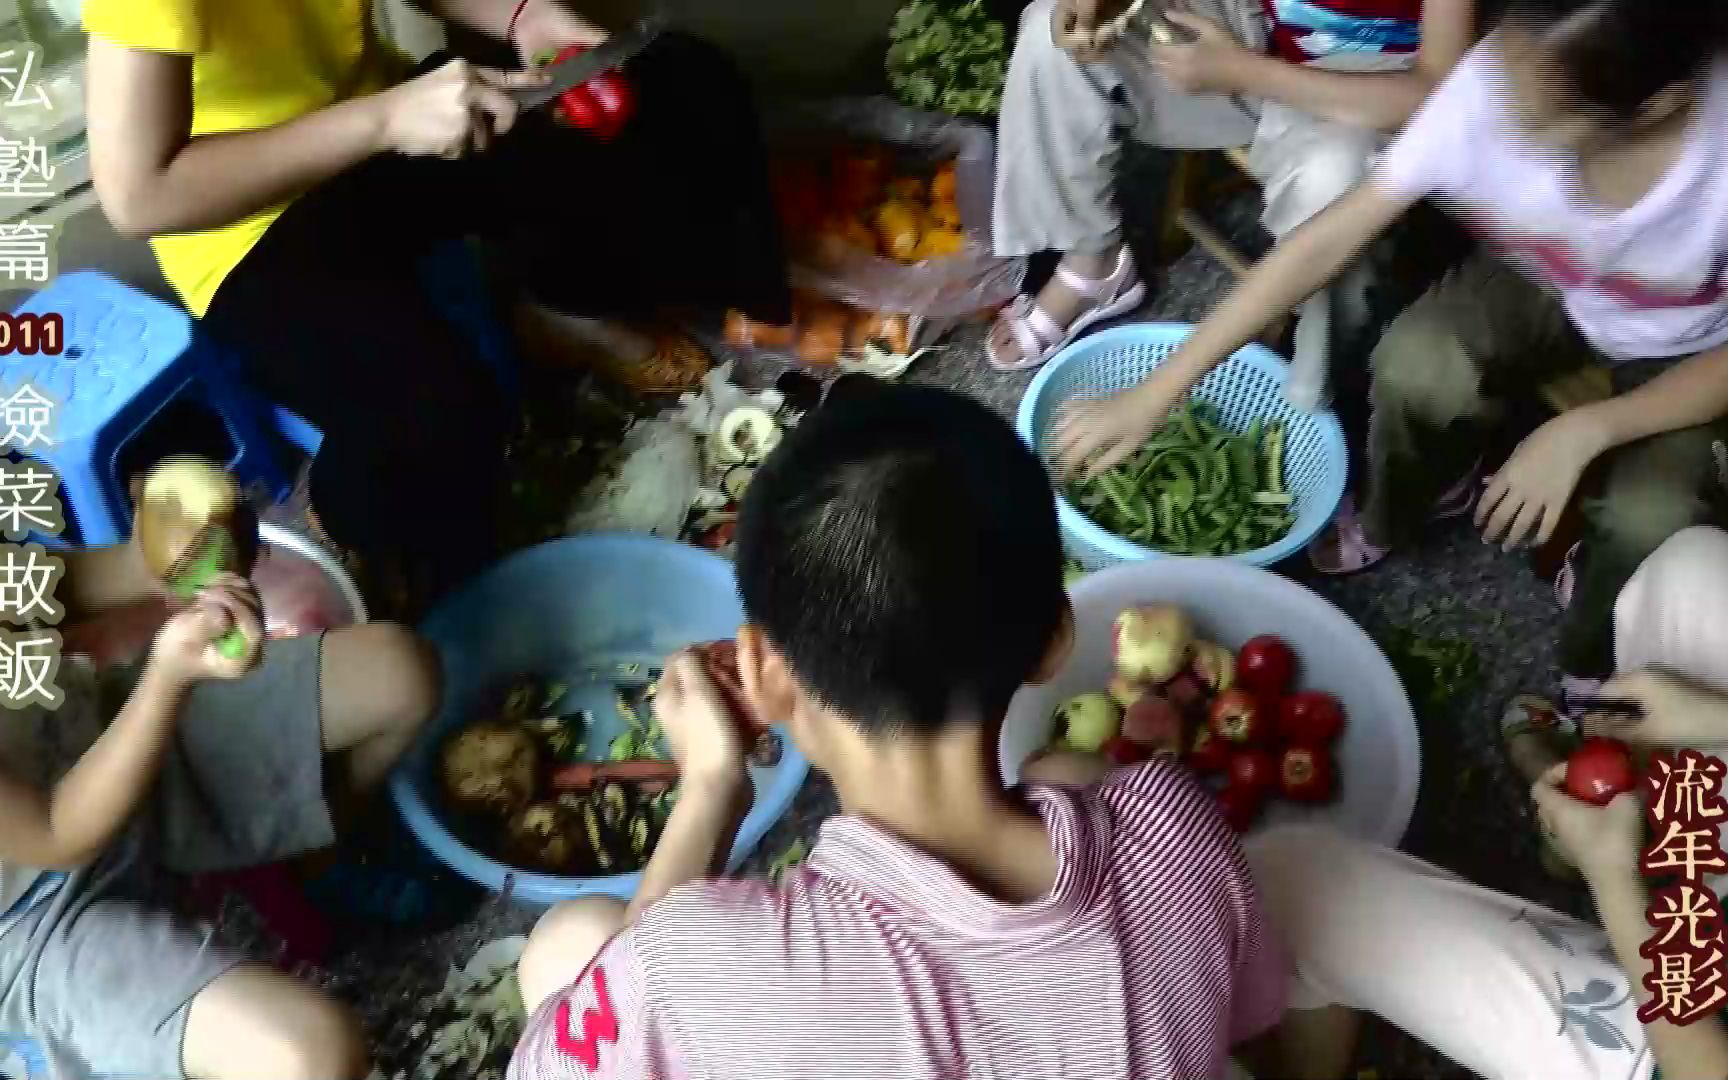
(601, 106)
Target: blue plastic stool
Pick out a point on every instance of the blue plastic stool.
(126, 357)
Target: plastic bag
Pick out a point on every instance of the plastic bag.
(949, 286)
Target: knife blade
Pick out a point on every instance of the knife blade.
(577, 70)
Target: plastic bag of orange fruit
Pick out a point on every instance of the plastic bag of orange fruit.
(887, 209)
(823, 331)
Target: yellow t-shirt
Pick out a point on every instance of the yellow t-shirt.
(256, 63)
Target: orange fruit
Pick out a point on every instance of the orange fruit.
(898, 226)
(939, 242)
(944, 185)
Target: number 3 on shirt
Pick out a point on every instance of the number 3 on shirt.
(599, 1026)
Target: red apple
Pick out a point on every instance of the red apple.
(1155, 724)
(1307, 775)
(1310, 718)
(1236, 716)
(1241, 806)
(1209, 754)
(1122, 751)
(1252, 767)
(1266, 666)
(1599, 771)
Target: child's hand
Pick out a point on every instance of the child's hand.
(186, 651)
(1526, 497)
(1206, 65)
(1676, 712)
(1601, 841)
(700, 727)
(1091, 436)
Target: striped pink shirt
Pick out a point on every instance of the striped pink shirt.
(1148, 959)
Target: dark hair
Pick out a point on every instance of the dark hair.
(1620, 54)
(900, 549)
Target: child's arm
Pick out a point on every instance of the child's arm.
(1384, 101)
(714, 790)
(69, 826)
(1526, 498)
(1302, 264)
(1692, 392)
(1605, 843)
(1698, 1050)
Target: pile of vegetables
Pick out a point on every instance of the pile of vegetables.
(948, 56)
(1196, 488)
(520, 783)
(1235, 717)
(875, 200)
(519, 788)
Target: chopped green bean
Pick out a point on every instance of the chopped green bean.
(1196, 488)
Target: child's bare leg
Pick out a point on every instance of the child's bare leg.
(254, 1022)
(563, 943)
(380, 685)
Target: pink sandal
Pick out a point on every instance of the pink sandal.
(1040, 337)
(1355, 553)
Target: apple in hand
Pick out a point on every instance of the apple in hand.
(1599, 771)
(1089, 721)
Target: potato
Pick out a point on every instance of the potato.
(542, 836)
(491, 767)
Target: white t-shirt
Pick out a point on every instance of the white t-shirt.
(1644, 283)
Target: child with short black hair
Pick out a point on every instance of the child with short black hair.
(901, 570)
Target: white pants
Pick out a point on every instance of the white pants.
(1507, 988)
(1061, 122)
(1060, 140)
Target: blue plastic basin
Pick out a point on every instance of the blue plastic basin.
(564, 608)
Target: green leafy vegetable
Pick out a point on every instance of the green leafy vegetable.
(948, 57)
(1436, 669)
(1196, 488)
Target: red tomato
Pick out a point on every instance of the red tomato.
(1599, 770)
(1307, 775)
(1253, 768)
(1241, 806)
(1237, 716)
(1265, 666)
(1209, 754)
(1310, 718)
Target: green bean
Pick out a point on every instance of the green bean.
(1196, 488)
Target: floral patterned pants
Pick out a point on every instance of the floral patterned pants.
(1505, 987)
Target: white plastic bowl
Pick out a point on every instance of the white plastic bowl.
(1379, 756)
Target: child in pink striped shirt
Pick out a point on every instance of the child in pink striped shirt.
(901, 570)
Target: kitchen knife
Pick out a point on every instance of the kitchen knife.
(578, 69)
